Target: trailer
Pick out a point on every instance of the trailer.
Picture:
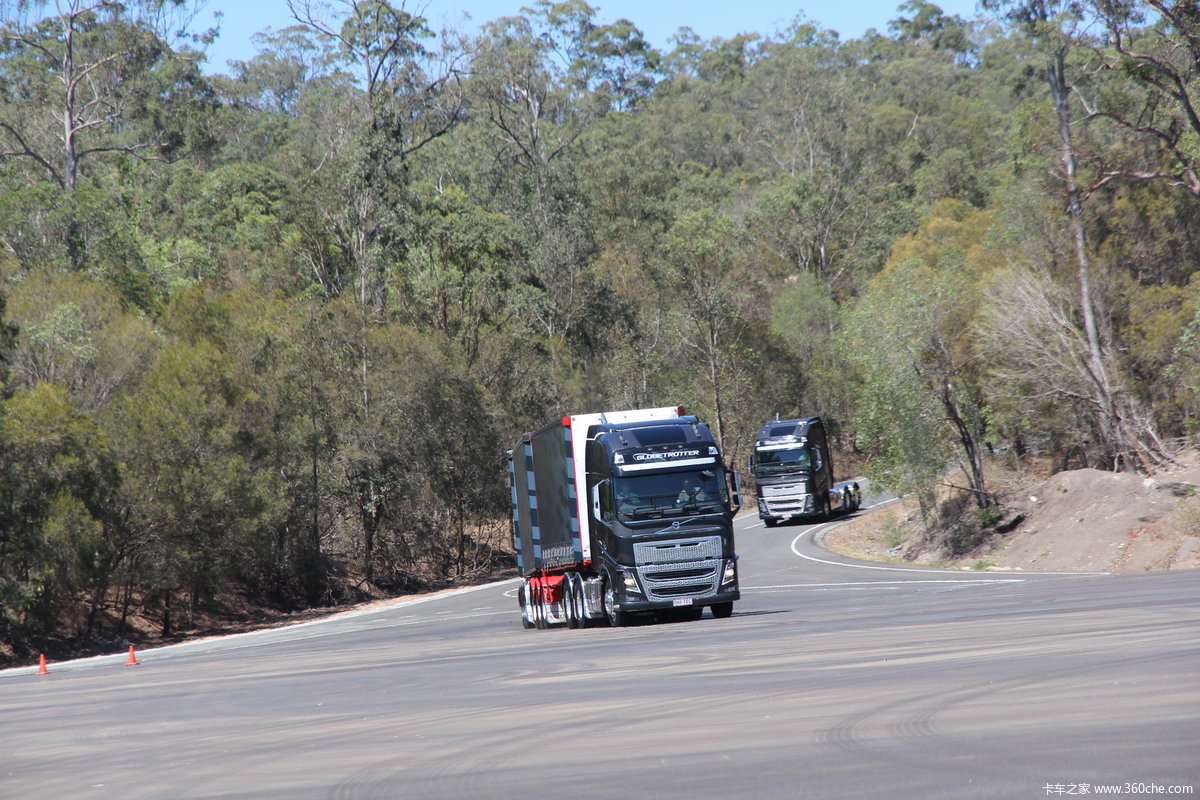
(622, 514)
(793, 473)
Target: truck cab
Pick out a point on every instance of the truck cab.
(793, 472)
(661, 517)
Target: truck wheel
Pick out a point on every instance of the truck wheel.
(541, 619)
(616, 617)
(722, 610)
(570, 609)
(527, 613)
(580, 600)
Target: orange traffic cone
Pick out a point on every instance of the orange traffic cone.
(132, 662)
(42, 666)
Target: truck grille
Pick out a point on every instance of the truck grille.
(786, 499)
(684, 568)
(771, 490)
(677, 551)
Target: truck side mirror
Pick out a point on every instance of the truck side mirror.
(736, 495)
(596, 501)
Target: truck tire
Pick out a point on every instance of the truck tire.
(541, 616)
(570, 608)
(581, 611)
(722, 610)
(527, 614)
(616, 617)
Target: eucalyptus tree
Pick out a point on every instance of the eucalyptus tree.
(808, 320)
(707, 287)
(457, 279)
(401, 94)
(91, 91)
(924, 403)
(8, 335)
(213, 457)
(1153, 48)
(405, 96)
(58, 546)
(1127, 435)
(77, 333)
(523, 86)
(537, 87)
(275, 78)
(74, 79)
(798, 109)
(612, 61)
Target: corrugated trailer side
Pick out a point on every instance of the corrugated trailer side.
(545, 518)
(524, 505)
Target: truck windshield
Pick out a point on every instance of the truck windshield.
(767, 462)
(671, 494)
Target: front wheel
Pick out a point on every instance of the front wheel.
(722, 610)
(616, 617)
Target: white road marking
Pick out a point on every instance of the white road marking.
(872, 584)
(821, 529)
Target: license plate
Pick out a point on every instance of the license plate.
(681, 601)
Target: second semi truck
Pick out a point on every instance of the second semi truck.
(793, 472)
(623, 513)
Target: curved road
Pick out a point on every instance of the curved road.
(832, 679)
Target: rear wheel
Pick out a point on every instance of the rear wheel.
(526, 611)
(580, 600)
(528, 617)
(540, 617)
(570, 609)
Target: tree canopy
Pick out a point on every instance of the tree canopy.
(270, 333)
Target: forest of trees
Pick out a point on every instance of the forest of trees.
(268, 333)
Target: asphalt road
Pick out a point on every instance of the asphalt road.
(832, 679)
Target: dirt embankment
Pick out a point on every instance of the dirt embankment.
(1080, 520)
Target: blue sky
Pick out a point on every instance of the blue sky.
(658, 19)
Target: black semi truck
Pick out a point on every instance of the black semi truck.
(793, 473)
(623, 513)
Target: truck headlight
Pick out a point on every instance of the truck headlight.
(631, 584)
(730, 576)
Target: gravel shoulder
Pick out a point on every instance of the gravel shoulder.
(1080, 520)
